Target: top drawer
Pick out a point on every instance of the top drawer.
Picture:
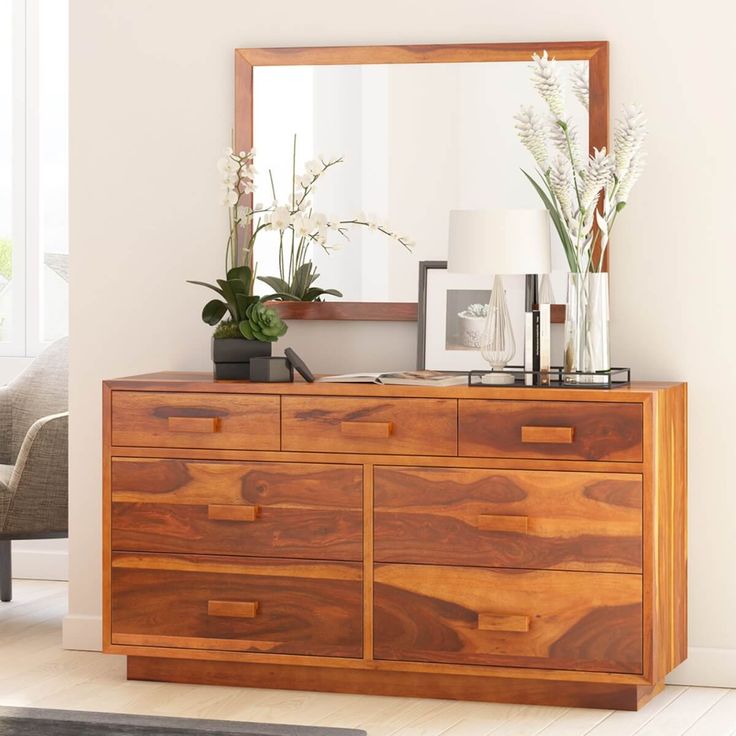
(561, 430)
(369, 425)
(212, 421)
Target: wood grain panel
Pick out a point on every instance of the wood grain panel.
(165, 600)
(509, 518)
(342, 310)
(203, 382)
(431, 614)
(597, 431)
(304, 510)
(420, 426)
(667, 549)
(489, 687)
(144, 419)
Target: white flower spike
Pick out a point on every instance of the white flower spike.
(580, 82)
(546, 79)
(532, 131)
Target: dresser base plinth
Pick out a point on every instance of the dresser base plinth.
(382, 682)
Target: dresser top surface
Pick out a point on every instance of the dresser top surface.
(204, 382)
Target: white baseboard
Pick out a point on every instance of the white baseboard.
(82, 632)
(706, 667)
(40, 564)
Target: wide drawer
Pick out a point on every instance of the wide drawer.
(300, 510)
(522, 618)
(200, 420)
(508, 518)
(569, 430)
(369, 425)
(224, 603)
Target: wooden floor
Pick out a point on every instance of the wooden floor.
(36, 671)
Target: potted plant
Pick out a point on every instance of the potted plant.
(249, 330)
(472, 322)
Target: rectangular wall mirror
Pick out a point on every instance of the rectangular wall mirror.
(423, 130)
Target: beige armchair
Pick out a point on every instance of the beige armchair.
(33, 456)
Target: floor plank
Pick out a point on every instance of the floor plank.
(683, 712)
(720, 719)
(575, 722)
(627, 723)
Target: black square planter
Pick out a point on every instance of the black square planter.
(231, 357)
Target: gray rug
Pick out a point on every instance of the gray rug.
(40, 722)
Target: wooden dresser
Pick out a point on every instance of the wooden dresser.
(503, 544)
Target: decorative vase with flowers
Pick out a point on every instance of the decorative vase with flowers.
(583, 195)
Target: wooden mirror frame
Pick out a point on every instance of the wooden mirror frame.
(594, 52)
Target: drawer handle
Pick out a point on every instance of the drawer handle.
(198, 425)
(232, 512)
(499, 622)
(368, 430)
(503, 523)
(232, 609)
(549, 435)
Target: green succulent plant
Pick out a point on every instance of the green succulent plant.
(262, 323)
(252, 319)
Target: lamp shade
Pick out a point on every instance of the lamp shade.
(499, 242)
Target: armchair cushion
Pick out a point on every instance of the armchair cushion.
(41, 389)
(36, 498)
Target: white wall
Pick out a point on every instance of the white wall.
(151, 104)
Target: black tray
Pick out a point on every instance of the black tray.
(554, 378)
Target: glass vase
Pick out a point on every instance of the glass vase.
(587, 339)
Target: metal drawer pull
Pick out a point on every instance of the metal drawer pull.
(198, 425)
(503, 523)
(549, 435)
(232, 609)
(367, 430)
(232, 512)
(499, 622)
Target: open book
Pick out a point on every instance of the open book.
(401, 378)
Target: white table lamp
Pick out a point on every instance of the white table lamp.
(498, 243)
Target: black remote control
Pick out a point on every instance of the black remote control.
(299, 365)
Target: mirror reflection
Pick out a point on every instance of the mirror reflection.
(418, 140)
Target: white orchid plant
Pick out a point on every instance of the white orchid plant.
(298, 225)
(583, 194)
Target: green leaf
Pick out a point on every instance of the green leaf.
(237, 287)
(242, 274)
(243, 301)
(557, 220)
(314, 293)
(229, 294)
(209, 286)
(246, 331)
(281, 296)
(213, 312)
(275, 283)
(303, 279)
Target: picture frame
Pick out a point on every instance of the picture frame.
(444, 340)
